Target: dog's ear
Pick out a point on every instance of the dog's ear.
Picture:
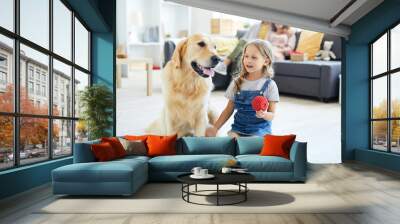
(178, 53)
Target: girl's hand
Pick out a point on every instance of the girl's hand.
(211, 132)
(261, 114)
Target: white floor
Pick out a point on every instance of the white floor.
(312, 121)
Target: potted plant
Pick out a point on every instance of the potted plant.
(96, 102)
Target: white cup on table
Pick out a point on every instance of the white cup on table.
(196, 171)
(203, 172)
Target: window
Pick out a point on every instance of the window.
(6, 74)
(81, 45)
(30, 72)
(30, 87)
(37, 75)
(6, 142)
(3, 78)
(37, 89)
(54, 126)
(3, 72)
(3, 61)
(62, 29)
(35, 22)
(385, 92)
(44, 91)
(81, 81)
(62, 74)
(7, 14)
(62, 137)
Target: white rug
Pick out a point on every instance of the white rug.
(166, 198)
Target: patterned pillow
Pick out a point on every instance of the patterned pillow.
(134, 147)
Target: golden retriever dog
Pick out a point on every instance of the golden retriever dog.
(186, 87)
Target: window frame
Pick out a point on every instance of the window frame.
(388, 74)
(16, 114)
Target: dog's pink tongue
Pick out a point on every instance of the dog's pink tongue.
(209, 72)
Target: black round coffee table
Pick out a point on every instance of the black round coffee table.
(238, 179)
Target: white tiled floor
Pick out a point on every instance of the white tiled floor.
(312, 121)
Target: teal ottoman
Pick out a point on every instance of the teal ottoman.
(118, 177)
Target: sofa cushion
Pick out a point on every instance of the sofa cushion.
(161, 145)
(112, 171)
(135, 147)
(309, 42)
(207, 145)
(103, 152)
(257, 163)
(307, 69)
(83, 152)
(298, 85)
(116, 145)
(277, 145)
(185, 163)
(132, 158)
(249, 145)
(310, 69)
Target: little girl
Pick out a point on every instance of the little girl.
(254, 80)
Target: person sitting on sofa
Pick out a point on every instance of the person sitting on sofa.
(282, 39)
(254, 80)
(257, 31)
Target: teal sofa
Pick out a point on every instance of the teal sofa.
(125, 176)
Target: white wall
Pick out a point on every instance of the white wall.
(200, 21)
(121, 22)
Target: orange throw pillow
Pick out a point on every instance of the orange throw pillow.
(103, 152)
(161, 145)
(275, 145)
(116, 145)
(136, 137)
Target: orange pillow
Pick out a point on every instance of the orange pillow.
(103, 152)
(161, 145)
(275, 145)
(136, 137)
(116, 145)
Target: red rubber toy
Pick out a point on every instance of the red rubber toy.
(259, 103)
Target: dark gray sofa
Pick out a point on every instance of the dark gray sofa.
(311, 78)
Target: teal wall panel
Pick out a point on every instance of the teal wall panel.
(103, 61)
(89, 11)
(377, 158)
(24, 178)
(356, 99)
(355, 109)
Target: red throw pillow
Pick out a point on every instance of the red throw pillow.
(275, 145)
(161, 145)
(116, 145)
(103, 152)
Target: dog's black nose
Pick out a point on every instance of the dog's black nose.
(214, 60)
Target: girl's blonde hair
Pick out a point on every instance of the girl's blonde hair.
(266, 51)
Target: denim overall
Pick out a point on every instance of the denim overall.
(245, 121)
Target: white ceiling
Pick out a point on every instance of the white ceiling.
(314, 15)
(320, 9)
